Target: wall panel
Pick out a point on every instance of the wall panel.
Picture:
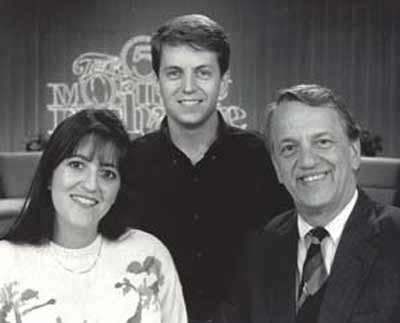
(350, 46)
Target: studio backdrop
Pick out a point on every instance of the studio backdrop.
(60, 56)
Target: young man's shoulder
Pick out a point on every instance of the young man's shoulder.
(147, 148)
(147, 140)
(245, 134)
(245, 139)
(235, 136)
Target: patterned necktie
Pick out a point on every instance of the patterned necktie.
(314, 271)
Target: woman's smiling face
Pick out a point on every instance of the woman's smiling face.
(84, 187)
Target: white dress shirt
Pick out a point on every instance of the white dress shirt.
(330, 243)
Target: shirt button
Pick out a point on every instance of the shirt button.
(196, 216)
(196, 255)
(195, 179)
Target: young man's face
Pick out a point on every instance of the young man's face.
(190, 83)
(314, 158)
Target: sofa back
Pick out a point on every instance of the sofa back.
(16, 173)
(380, 179)
(378, 176)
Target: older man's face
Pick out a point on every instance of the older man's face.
(314, 158)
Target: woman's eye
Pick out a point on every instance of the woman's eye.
(109, 174)
(173, 74)
(75, 164)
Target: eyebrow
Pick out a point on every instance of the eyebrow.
(171, 67)
(108, 165)
(322, 134)
(80, 156)
(317, 134)
(168, 67)
(86, 158)
(285, 140)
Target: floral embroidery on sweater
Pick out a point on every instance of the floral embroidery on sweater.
(16, 304)
(145, 279)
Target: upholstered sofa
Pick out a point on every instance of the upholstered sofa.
(16, 173)
(378, 176)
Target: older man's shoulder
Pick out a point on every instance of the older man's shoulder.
(279, 225)
(281, 222)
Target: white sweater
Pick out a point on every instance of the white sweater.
(131, 280)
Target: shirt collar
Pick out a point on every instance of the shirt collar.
(335, 227)
(223, 130)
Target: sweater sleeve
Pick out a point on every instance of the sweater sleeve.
(171, 295)
(8, 293)
(7, 258)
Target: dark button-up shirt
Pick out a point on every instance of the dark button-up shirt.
(202, 211)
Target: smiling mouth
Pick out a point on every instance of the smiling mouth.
(190, 102)
(84, 200)
(313, 177)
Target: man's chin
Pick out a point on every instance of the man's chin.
(192, 122)
(315, 202)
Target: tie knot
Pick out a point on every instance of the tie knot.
(317, 233)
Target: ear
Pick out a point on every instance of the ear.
(355, 151)
(49, 183)
(224, 86)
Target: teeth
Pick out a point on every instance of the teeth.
(84, 200)
(189, 102)
(312, 178)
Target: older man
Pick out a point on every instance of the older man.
(335, 257)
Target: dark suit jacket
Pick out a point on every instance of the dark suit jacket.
(363, 286)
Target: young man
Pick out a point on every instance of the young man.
(198, 183)
(333, 259)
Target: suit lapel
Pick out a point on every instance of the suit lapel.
(353, 260)
(283, 279)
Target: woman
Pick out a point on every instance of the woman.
(70, 258)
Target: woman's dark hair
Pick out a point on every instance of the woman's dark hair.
(35, 223)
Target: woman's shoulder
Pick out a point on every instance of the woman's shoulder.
(138, 249)
(8, 248)
(140, 240)
(13, 255)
